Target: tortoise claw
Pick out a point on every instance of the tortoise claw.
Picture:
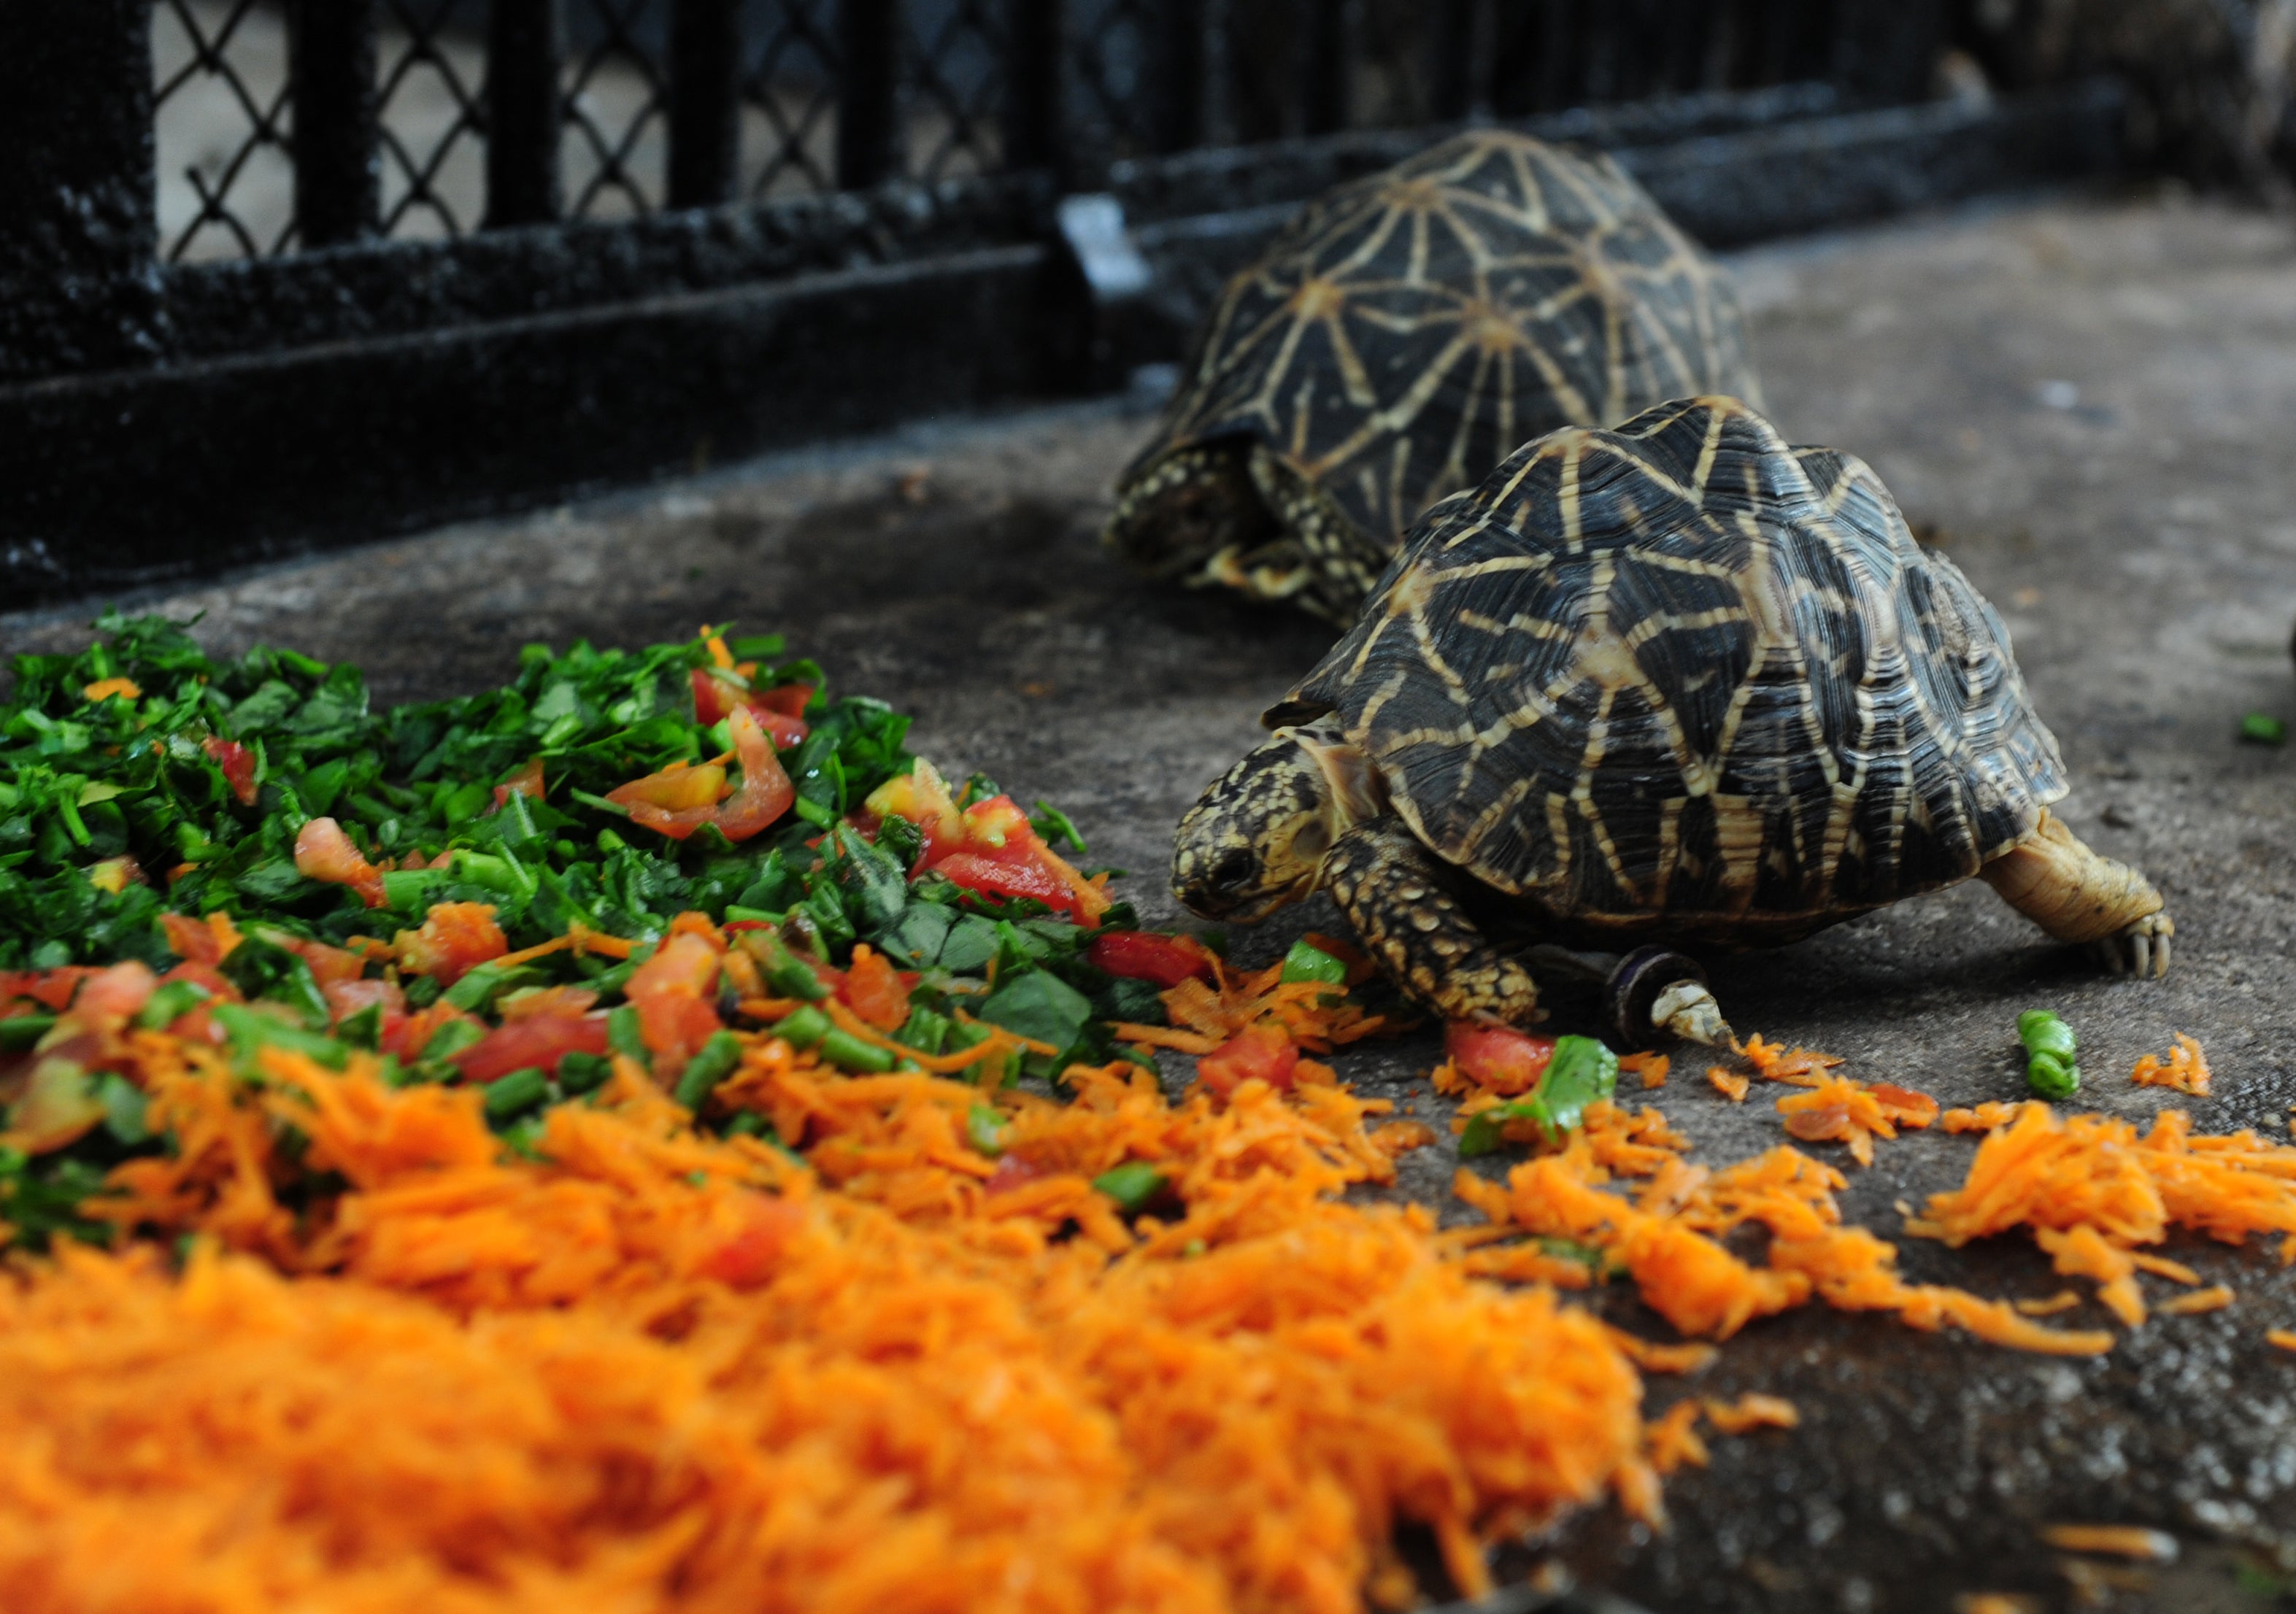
(2141, 949)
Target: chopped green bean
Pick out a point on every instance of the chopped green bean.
(711, 1065)
(1133, 1185)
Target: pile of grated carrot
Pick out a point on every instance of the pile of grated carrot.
(354, 1352)
(651, 1368)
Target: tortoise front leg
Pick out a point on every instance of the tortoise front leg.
(1395, 892)
(2077, 894)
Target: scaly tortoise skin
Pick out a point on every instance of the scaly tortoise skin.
(1398, 338)
(1674, 682)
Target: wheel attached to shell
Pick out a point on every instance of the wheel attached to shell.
(1671, 684)
(1399, 337)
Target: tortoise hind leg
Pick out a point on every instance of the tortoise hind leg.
(2077, 894)
(1394, 892)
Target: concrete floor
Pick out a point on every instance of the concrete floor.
(2091, 404)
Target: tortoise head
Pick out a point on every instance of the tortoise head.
(1257, 839)
(1188, 506)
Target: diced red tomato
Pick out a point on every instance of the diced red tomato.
(413, 1034)
(1503, 1060)
(1012, 1172)
(207, 976)
(456, 938)
(110, 997)
(673, 993)
(789, 700)
(718, 694)
(1165, 961)
(715, 694)
(193, 942)
(541, 1040)
(764, 1226)
(526, 782)
(238, 765)
(682, 798)
(873, 989)
(1261, 1053)
(922, 797)
(676, 789)
(976, 872)
(766, 792)
(349, 997)
(50, 989)
(328, 965)
(323, 852)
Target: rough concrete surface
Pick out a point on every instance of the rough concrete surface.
(2092, 405)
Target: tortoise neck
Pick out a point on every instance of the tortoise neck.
(1357, 791)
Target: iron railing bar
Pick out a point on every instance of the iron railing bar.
(1034, 107)
(869, 60)
(705, 101)
(1176, 120)
(525, 39)
(331, 79)
(1451, 60)
(1329, 62)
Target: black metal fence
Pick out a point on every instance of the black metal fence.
(283, 271)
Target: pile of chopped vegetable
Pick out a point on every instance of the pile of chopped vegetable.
(641, 1137)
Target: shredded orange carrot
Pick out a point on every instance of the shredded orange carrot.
(652, 1367)
(2092, 1189)
(540, 950)
(1798, 1067)
(1854, 1113)
(2114, 1540)
(1204, 1016)
(1753, 1412)
(1651, 1067)
(1732, 1088)
(1987, 1117)
(2185, 1069)
(1692, 1357)
(587, 940)
(1671, 1440)
(2080, 1251)
(2213, 1298)
(2162, 1266)
(2065, 1299)
(1668, 1240)
(2284, 1338)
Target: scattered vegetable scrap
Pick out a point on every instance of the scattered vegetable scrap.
(2185, 1069)
(1651, 1068)
(1572, 1073)
(2050, 1051)
(1986, 1117)
(1751, 1411)
(1853, 1112)
(1728, 1085)
(2284, 1338)
(1795, 1067)
(2065, 1299)
(1668, 1239)
(2092, 1189)
(2215, 1298)
(2114, 1540)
